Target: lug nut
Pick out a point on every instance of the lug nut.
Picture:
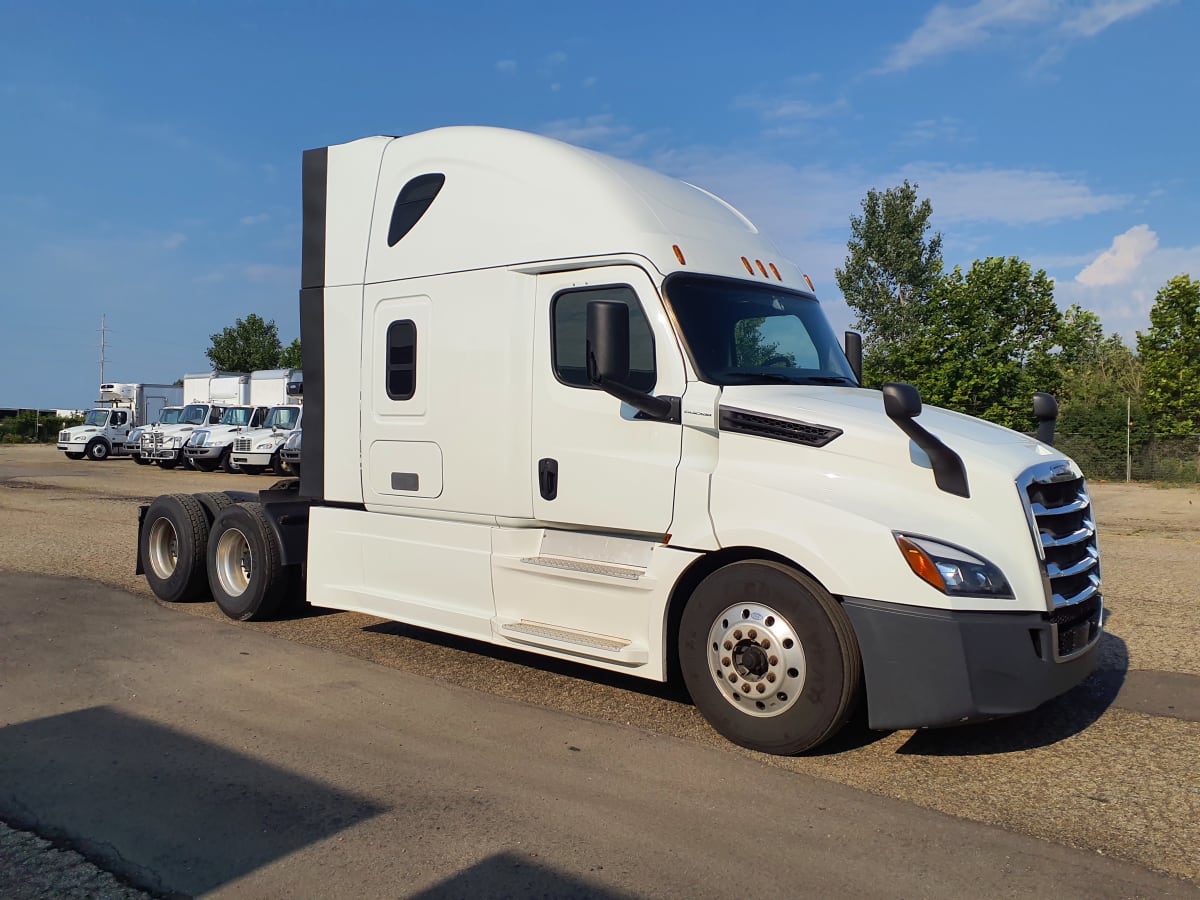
(737, 635)
(728, 645)
(761, 688)
(765, 643)
(745, 687)
(752, 634)
(733, 676)
(771, 677)
(725, 661)
(773, 660)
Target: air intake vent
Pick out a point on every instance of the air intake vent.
(743, 422)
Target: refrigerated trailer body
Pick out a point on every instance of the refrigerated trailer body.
(558, 402)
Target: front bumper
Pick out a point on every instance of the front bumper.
(205, 453)
(247, 458)
(929, 667)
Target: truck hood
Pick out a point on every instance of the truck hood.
(859, 414)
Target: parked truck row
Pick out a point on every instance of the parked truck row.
(195, 425)
(562, 403)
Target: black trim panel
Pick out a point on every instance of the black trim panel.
(314, 193)
(315, 188)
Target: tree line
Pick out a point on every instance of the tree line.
(984, 340)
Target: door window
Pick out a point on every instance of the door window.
(568, 315)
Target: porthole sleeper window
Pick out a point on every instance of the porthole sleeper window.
(402, 360)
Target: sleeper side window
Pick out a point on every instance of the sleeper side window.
(568, 320)
(401, 360)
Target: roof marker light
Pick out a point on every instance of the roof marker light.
(808, 281)
(762, 268)
(746, 263)
(776, 272)
(679, 254)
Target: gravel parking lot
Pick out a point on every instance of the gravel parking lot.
(1112, 767)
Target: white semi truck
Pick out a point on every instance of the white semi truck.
(562, 403)
(121, 408)
(256, 451)
(168, 415)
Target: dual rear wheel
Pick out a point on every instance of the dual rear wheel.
(194, 546)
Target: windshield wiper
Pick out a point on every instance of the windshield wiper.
(759, 377)
(824, 379)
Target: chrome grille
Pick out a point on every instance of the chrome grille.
(64, 436)
(242, 445)
(1061, 519)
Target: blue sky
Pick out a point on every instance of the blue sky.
(151, 151)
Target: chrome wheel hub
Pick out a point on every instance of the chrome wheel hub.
(234, 562)
(756, 660)
(163, 548)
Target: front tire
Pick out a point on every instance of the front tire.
(97, 451)
(253, 470)
(769, 657)
(172, 546)
(168, 463)
(246, 574)
(140, 460)
(228, 464)
(74, 456)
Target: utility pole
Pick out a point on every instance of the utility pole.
(1128, 429)
(103, 331)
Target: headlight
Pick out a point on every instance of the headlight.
(176, 440)
(293, 442)
(265, 445)
(198, 439)
(79, 438)
(135, 436)
(952, 570)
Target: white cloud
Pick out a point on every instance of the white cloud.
(258, 219)
(1121, 260)
(1094, 19)
(950, 29)
(174, 241)
(777, 109)
(507, 66)
(1124, 306)
(600, 132)
(1008, 196)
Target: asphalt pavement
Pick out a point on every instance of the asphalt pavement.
(193, 757)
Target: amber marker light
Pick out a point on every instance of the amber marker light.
(808, 281)
(918, 560)
(746, 263)
(762, 268)
(775, 271)
(679, 254)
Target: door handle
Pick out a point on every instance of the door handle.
(548, 478)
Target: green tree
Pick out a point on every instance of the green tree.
(1170, 353)
(989, 342)
(249, 344)
(291, 357)
(892, 267)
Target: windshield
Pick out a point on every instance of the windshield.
(739, 333)
(96, 417)
(169, 416)
(194, 414)
(283, 417)
(237, 415)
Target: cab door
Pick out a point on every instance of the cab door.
(598, 464)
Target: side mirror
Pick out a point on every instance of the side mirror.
(854, 353)
(607, 342)
(901, 401)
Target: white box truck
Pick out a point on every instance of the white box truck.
(559, 402)
(121, 408)
(208, 395)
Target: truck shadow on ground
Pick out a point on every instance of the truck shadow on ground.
(168, 812)
(1052, 722)
(511, 875)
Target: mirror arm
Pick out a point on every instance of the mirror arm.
(662, 409)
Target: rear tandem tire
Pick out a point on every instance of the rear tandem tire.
(246, 574)
(172, 547)
(769, 657)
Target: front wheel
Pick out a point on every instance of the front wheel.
(168, 463)
(228, 464)
(246, 574)
(140, 460)
(97, 450)
(252, 470)
(74, 456)
(769, 657)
